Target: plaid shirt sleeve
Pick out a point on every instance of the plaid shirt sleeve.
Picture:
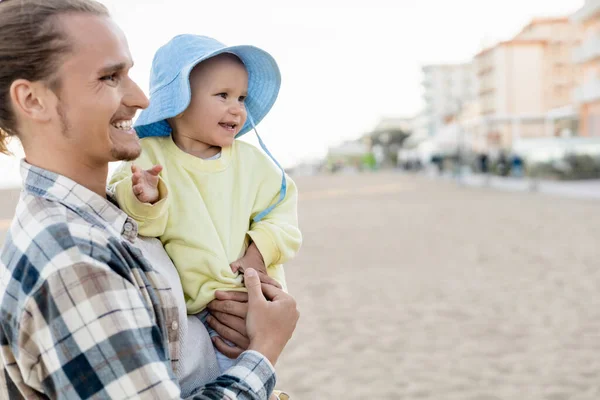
(86, 333)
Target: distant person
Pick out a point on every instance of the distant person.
(503, 165)
(484, 167)
(516, 166)
(218, 205)
(484, 163)
(437, 160)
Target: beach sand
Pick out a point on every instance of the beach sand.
(417, 289)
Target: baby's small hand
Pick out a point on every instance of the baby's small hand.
(145, 183)
(253, 259)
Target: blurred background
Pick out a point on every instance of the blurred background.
(448, 161)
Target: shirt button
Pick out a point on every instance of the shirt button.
(174, 325)
(128, 227)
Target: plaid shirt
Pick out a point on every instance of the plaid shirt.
(83, 315)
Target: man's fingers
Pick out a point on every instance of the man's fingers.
(264, 278)
(232, 307)
(252, 282)
(238, 324)
(270, 291)
(227, 333)
(231, 295)
(228, 351)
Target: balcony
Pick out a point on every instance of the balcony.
(589, 10)
(485, 70)
(589, 50)
(588, 92)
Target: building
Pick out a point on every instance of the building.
(419, 128)
(510, 91)
(525, 84)
(561, 37)
(446, 88)
(393, 124)
(587, 56)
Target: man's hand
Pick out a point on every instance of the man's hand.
(228, 318)
(145, 183)
(272, 317)
(253, 259)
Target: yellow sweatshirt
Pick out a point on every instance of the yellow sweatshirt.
(205, 221)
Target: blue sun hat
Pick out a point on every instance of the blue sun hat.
(170, 91)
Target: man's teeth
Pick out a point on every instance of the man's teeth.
(124, 125)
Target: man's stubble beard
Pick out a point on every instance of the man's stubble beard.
(125, 154)
(118, 154)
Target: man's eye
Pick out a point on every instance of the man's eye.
(110, 78)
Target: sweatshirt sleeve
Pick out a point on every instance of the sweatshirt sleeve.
(277, 235)
(151, 218)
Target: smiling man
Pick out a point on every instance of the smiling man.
(82, 312)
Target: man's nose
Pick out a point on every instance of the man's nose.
(135, 97)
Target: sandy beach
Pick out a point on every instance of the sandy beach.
(417, 289)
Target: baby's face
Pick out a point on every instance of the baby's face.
(216, 113)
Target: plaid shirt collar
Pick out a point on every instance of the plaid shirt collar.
(87, 204)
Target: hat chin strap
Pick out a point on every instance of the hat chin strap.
(283, 190)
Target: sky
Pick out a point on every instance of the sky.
(344, 63)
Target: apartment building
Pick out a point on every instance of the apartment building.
(446, 89)
(587, 57)
(525, 84)
(561, 74)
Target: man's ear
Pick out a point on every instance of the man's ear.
(32, 100)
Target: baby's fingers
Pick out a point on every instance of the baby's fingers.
(134, 168)
(154, 171)
(136, 178)
(138, 189)
(136, 174)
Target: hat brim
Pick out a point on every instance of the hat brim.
(264, 81)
